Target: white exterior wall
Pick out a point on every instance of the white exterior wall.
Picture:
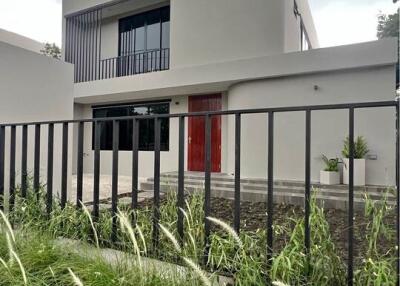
(329, 128)
(169, 159)
(34, 88)
(356, 73)
(218, 77)
(20, 41)
(73, 6)
(209, 31)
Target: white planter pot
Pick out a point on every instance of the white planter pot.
(359, 172)
(329, 178)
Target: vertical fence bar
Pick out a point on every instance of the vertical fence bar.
(100, 28)
(135, 164)
(68, 40)
(207, 187)
(93, 49)
(79, 171)
(12, 167)
(237, 171)
(351, 198)
(307, 183)
(36, 167)
(181, 177)
(24, 161)
(114, 195)
(86, 45)
(156, 207)
(270, 182)
(96, 170)
(72, 40)
(398, 189)
(96, 59)
(64, 166)
(161, 32)
(2, 164)
(81, 49)
(50, 157)
(78, 64)
(75, 47)
(129, 51)
(134, 51)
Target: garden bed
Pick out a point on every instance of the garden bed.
(244, 256)
(253, 217)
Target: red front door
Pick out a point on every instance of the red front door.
(196, 139)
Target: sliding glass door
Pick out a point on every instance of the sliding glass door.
(144, 42)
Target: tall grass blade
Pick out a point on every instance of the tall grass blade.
(196, 268)
(125, 225)
(10, 247)
(4, 263)
(52, 272)
(86, 211)
(228, 229)
(75, 278)
(171, 237)
(278, 283)
(7, 223)
(139, 230)
(21, 267)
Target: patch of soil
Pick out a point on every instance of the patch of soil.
(253, 216)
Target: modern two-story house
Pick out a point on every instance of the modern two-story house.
(138, 57)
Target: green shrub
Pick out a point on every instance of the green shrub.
(331, 165)
(245, 261)
(322, 266)
(360, 148)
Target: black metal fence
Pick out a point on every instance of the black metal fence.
(270, 112)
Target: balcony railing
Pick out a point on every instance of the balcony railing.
(83, 49)
(135, 63)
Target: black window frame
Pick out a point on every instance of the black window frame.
(304, 39)
(146, 126)
(126, 23)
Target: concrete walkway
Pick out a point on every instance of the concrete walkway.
(149, 266)
(124, 188)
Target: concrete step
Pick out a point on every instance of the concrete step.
(218, 177)
(287, 197)
(256, 190)
(245, 187)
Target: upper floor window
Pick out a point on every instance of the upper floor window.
(144, 41)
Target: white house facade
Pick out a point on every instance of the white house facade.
(178, 56)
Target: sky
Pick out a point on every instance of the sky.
(338, 22)
(341, 22)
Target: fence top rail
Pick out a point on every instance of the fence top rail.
(374, 104)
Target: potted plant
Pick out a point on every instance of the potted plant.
(360, 151)
(330, 175)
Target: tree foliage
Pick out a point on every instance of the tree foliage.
(388, 25)
(51, 50)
